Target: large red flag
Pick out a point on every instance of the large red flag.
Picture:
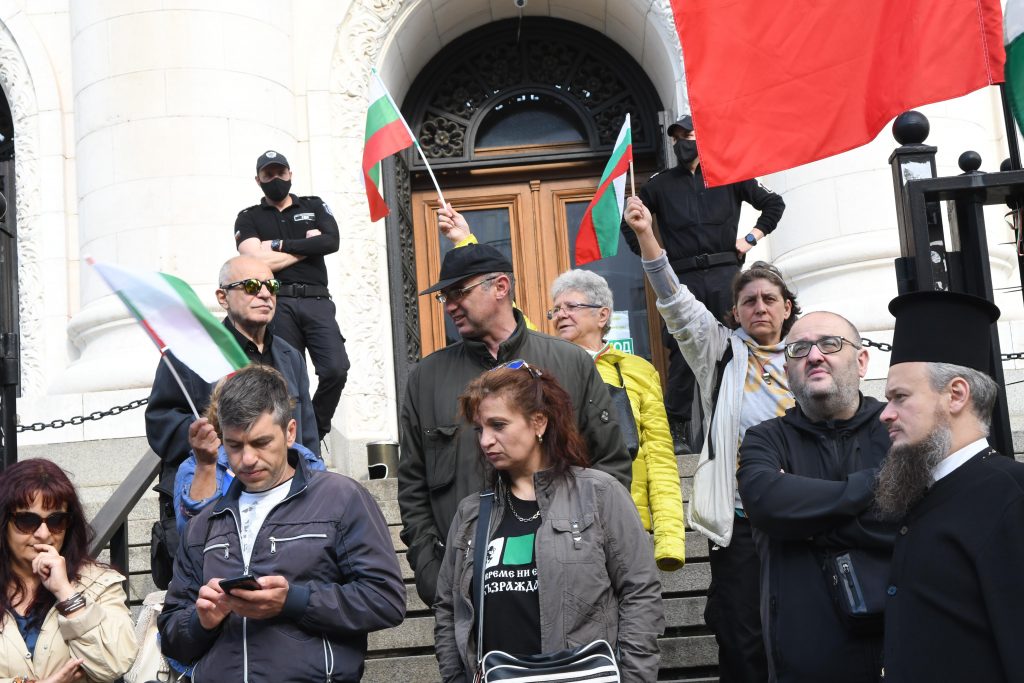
(778, 83)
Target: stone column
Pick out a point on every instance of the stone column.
(172, 107)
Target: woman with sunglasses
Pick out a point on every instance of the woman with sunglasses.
(739, 365)
(63, 616)
(567, 561)
(582, 314)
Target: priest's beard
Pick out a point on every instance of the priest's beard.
(907, 472)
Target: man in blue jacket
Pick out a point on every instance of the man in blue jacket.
(807, 480)
(317, 544)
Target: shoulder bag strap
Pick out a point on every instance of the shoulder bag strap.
(483, 521)
(719, 373)
(622, 382)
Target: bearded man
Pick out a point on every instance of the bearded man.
(956, 596)
(807, 482)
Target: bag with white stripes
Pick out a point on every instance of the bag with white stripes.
(593, 663)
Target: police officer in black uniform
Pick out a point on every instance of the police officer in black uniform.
(292, 235)
(698, 227)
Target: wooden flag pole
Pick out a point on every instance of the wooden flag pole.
(632, 180)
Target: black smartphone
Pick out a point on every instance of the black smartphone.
(246, 582)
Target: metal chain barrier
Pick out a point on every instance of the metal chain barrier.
(81, 419)
(882, 346)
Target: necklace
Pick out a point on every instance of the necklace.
(765, 377)
(535, 515)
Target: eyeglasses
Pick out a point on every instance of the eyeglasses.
(570, 307)
(832, 344)
(28, 522)
(516, 364)
(456, 294)
(253, 285)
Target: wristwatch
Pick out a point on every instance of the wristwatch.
(750, 239)
(275, 245)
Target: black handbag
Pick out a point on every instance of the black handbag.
(858, 580)
(623, 411)
(593, 662)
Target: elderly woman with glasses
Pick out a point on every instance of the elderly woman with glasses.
(63, 617)
(582, 314)
(739, 364)
(565, 563)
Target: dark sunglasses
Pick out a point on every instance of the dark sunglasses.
(254, 285)
(28, 522)
(516, 364)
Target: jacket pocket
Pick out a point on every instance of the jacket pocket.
(439, 452)
(275, 541)
(583, 621)
(578, 540)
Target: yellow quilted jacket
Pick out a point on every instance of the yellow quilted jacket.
(656, 491)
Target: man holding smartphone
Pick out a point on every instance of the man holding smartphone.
(315, 543)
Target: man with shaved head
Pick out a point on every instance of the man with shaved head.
(247, 291)
(807, 480)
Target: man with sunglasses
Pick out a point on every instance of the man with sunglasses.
(292, 235)
(440, 462)
(807, 480)
(247, 292)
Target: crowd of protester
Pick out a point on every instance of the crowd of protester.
(849, 539)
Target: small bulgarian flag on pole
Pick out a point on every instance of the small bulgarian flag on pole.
(176, 320)
(599, 230)
(1013, 30)
(386, 133)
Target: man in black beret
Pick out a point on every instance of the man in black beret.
(440, 464)
(956, 593)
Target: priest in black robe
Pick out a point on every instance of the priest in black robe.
(956, 594)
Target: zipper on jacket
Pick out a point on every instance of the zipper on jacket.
(245, 621)
(275, 541)
(216, 546)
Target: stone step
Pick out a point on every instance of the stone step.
(103, 462)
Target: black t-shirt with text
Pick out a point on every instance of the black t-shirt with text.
(511, 609)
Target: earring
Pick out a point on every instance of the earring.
(540, 438)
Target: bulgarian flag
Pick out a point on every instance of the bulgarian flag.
(598, 237)
(1013, 27)
(779, 83)
(174, 318)
(386, 133)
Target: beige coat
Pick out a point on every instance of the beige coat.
(101, 633)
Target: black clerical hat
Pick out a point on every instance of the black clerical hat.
(943, 327)
(472, 259)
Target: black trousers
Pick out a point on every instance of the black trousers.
(309, 323)
(733, 609)
(712, 288)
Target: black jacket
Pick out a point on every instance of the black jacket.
(809, 487)
(329, 539)
(956, 599)
(441, 463)
(693, 219)
(168, 414)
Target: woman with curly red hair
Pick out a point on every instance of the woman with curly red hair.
(567, 560)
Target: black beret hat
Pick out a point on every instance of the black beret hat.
(943, 327)
(472, 259)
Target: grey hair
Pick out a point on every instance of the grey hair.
(983, 388)
(224, 276)
(244, 397)
(488, 283)
(592, 286)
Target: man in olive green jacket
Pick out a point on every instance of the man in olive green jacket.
(440, 463)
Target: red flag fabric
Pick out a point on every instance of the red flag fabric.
(778, 83)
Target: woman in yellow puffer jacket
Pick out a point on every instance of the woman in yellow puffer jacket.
(582, 314)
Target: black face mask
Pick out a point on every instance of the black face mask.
(686, 151)
(276, 189)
